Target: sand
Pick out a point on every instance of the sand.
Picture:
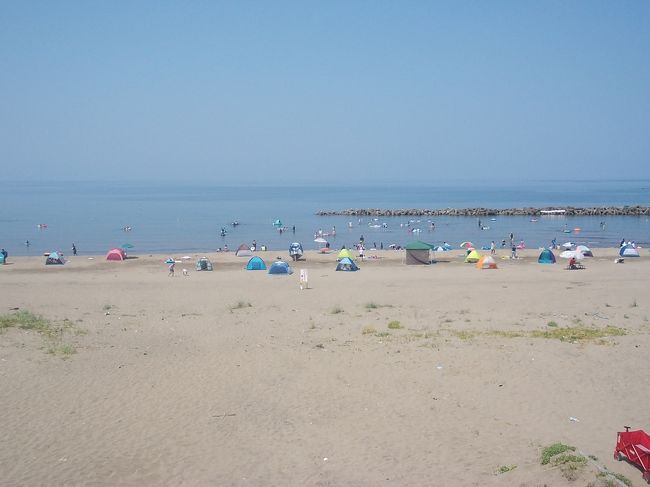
(241, 378)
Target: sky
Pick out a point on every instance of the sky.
(304, 92)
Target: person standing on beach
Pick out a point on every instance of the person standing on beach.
(493, 249)
(171, 269)
(512, 239)
(74, 249)
(5, 254)
(254, 246)
(513, 255)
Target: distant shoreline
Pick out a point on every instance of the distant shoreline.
(523, 211)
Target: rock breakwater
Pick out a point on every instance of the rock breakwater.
(476, 212)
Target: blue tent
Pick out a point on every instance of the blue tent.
(256, 264)
(280, 267)
(546, 257)
(346, 264)
(2, 259)
(628, 251)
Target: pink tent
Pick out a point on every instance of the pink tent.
(116, 254)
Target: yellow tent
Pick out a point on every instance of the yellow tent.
(344, 253)
(473, 257)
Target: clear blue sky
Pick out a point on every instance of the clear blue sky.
(309, 91)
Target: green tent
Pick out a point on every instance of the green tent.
(419, 245)
(417, 253)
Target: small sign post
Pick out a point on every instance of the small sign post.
(304, 279)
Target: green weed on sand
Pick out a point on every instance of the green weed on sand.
(53, 333)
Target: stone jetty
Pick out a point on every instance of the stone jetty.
(476, 212)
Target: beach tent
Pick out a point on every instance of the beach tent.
(486, 262)
(346, 264)
(203, 264)
(586, 251)
(256, 264)
(473, 257)
(243, 251)
(295, 250)
(546, 257)
(280, 267)
(628, 251)
(55, 258)
(344, 253)
(2, 259)
(277, 223)
(417, 253)
(116, 254)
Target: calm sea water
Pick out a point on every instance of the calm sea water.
(173, 218)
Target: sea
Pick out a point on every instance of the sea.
(182, 218)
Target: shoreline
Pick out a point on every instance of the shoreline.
(310, 257)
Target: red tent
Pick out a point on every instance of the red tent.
(116, 254)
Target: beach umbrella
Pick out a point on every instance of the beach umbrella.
(466, 245)
(126, 246)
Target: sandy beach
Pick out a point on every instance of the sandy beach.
(393, 375)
